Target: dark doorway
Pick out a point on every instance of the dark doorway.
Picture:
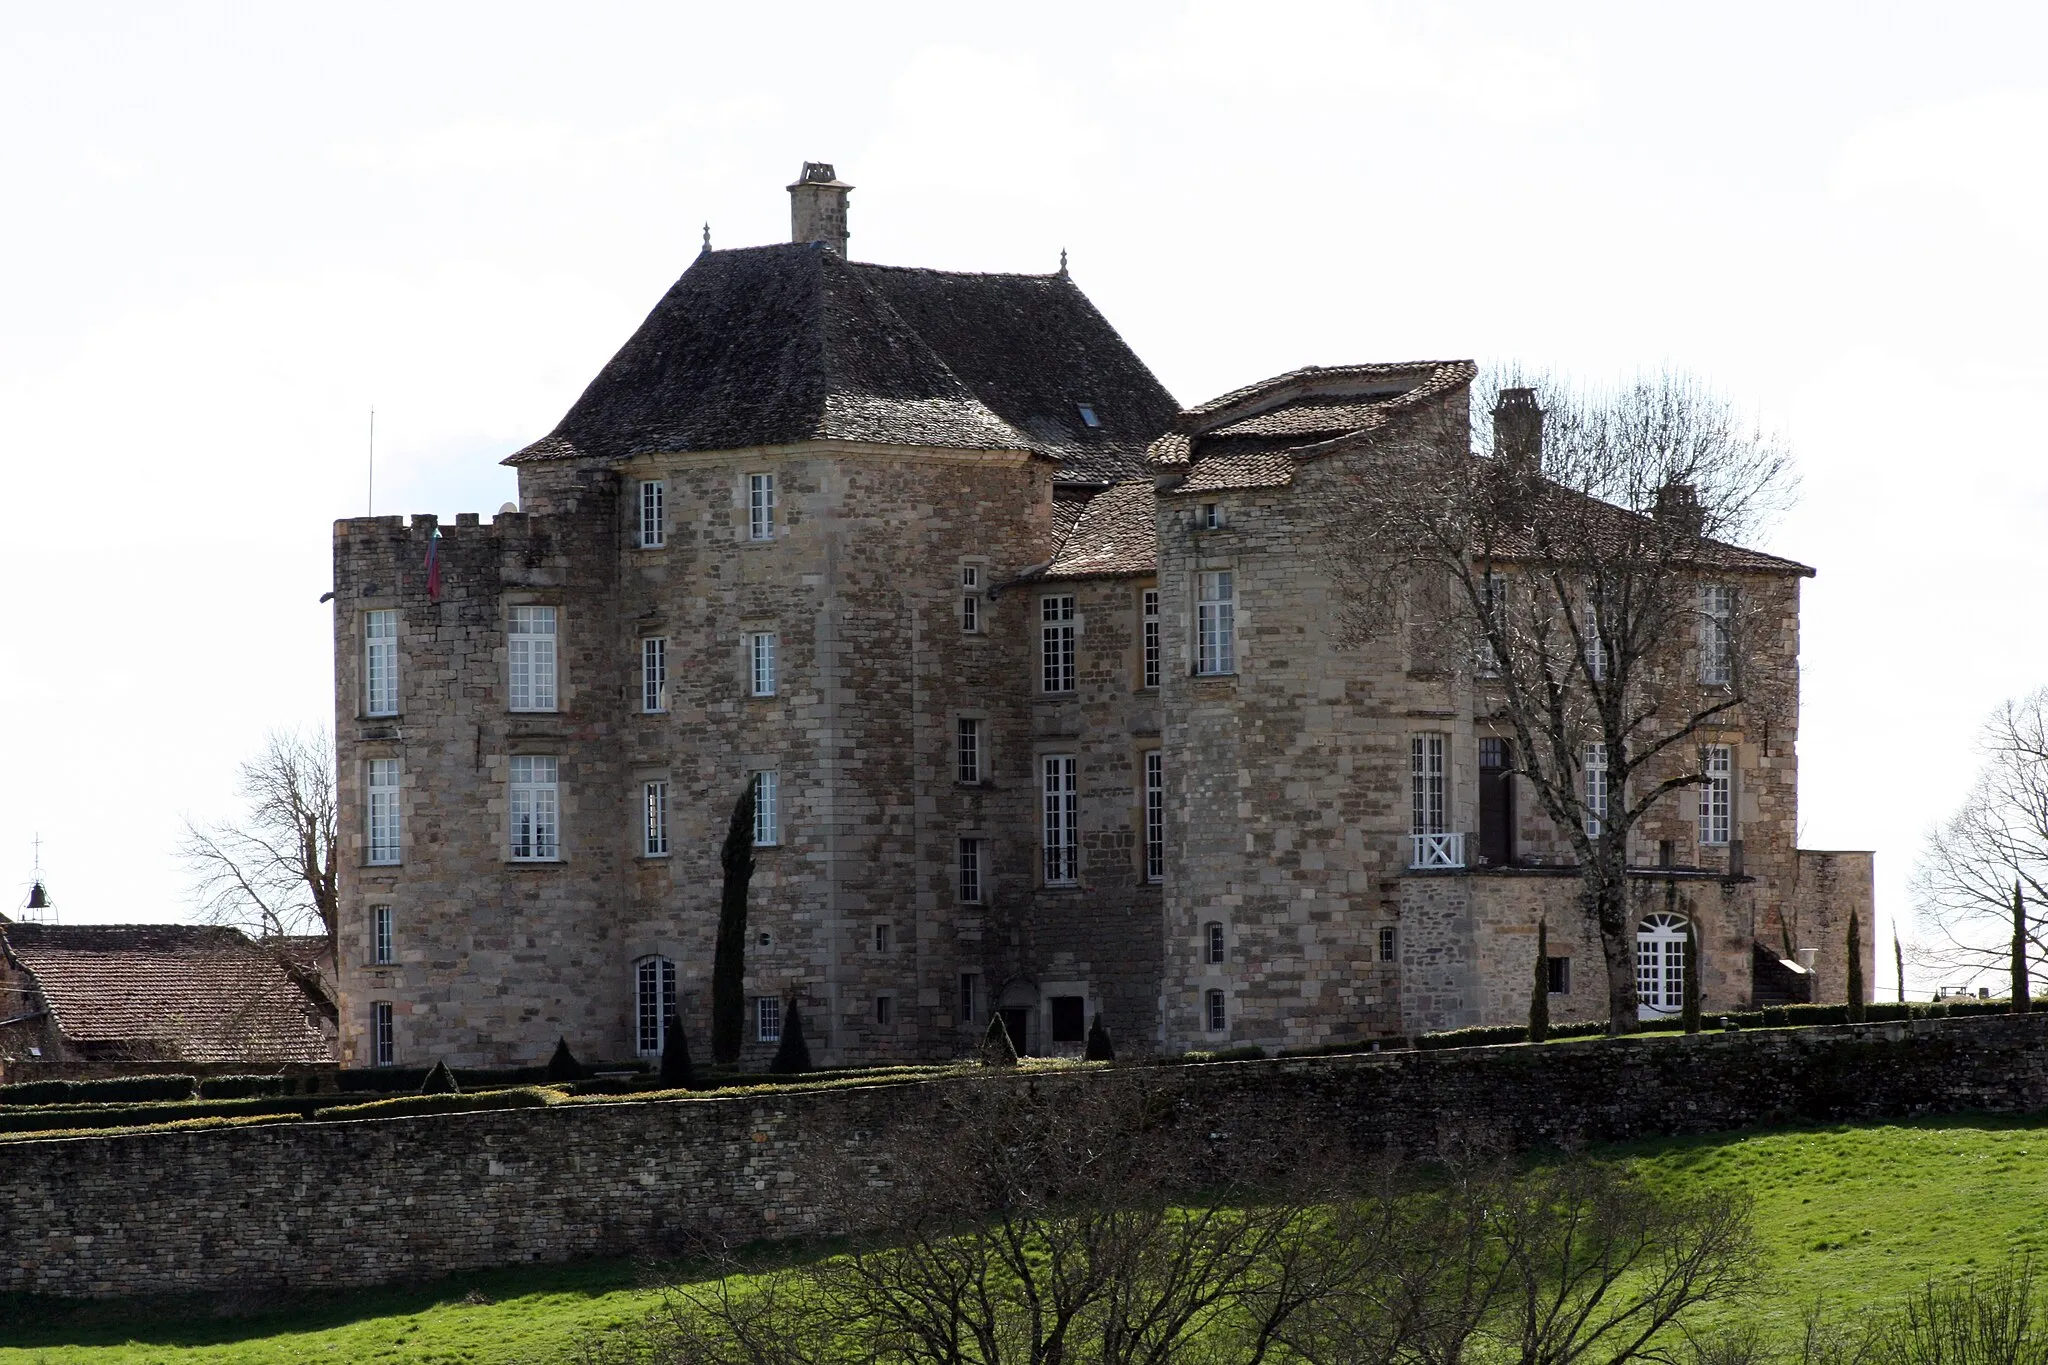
(1016, 1021)
(1069, 1019)
(1496, 804)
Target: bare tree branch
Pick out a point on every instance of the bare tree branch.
(272, 871)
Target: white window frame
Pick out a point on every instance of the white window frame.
(1215, 623)
(654, 1000)
(1155, 815)
(653, 529)
(970, 599)
(383, 946)
(1149, 656)
(967, 882)
(534, 804)
(654, 808)
(1212, 516)
(381, 845)
(763, 666)
(967, 750)
(1215, 943)
(1060, 805)
(383, 1034)
(380, 663)
(532, 636)
(1215, 1012)
(1717, 794)
(767, 808)
(1597, 791)
(653, 674)
(1428, 782)
(1717, 613)
(1056, 632)
(760, 507)
(1660, 965)
(767, 1018)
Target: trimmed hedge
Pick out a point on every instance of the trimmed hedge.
(404, 1106)
(1225, 1054)
(406, 1080)
(251, 1087)
(179, 1126)
(49, 1117)
(1775, 1016)
(109, 1090)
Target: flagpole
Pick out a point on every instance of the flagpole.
(370, 499)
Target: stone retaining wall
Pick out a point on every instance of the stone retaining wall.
(372, 1201)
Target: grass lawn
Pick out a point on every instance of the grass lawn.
(1850, 1215)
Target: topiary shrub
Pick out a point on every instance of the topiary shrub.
(563, 1066)
(996, 1048)
(792, 1054)
(440, 1081)
(1099, 1048)
(676, 1070)
(1539, 989)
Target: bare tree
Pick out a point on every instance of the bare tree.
(1586, 573)
(272, 870)
(1964, 880)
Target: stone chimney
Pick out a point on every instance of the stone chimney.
(1518, 430)
(1678, 506)
(817, 207)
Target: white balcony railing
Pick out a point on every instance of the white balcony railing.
(1436, 850)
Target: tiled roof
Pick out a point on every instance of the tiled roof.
(1113, 535)
(170, 992)
(779, 344)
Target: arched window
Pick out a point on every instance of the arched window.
(1660, 964)
(654, 1000)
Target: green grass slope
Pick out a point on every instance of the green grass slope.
(1850, 1216)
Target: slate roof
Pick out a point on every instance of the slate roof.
(773, 345)
(170, 992)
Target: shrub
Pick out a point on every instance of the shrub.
(1099, 1048)
(1539, 989)
(676, 1071)
(440, 1081)
(51, 1117)
(563, 1066)
(109, 1090)
(1251, 1053)
(246, 1087)
(792, 1054)
(996, 1047)
(524, 1097)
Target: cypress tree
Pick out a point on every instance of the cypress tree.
(1539, 990)
(1689, 1006)
(729, 957)
(1099, 1049)
(439, 1081)
(2022, 989)
(792, 1054)
(676, 1071)
(1899, 961)
(996, 1048)
(563, 1066)
(1855, 991)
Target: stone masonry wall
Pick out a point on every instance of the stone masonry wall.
(370, 1201)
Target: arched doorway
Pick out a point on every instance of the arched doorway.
(1660, 965)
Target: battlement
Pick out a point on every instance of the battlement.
(423, 524)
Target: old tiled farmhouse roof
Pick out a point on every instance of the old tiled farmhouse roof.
(169, 992)
(774, 345)
(1109, 535)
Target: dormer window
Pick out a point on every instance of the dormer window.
(1088, 417)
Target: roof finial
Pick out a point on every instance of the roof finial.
(1063, 262)
(707, 234)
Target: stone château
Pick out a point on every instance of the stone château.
(1037, 680)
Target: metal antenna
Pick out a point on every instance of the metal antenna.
(370, 501)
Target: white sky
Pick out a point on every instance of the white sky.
(229, 230)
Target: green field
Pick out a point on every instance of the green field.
(1851, 1215)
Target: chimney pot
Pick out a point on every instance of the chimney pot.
(817, 206)
(1518, 429)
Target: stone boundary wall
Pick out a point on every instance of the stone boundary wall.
(373, 1201)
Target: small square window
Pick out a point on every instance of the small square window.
(1212, 516)
(1088, 417)
(1559, 972)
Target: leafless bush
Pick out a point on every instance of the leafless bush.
(1097, 1224)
